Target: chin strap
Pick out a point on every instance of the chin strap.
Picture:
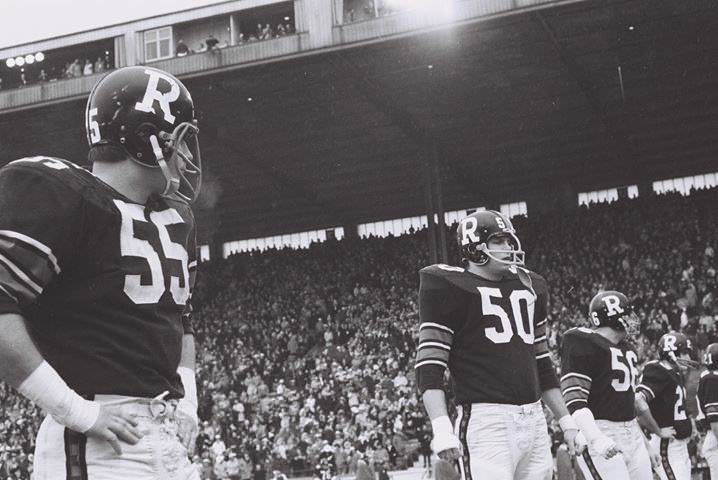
(173, 183)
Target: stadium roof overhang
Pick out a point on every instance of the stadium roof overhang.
(534, 106)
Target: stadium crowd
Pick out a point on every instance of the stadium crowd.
(305, 357)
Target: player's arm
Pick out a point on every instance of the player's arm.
(438, 316)
(653, 382)
(548, 381)
(188, 405)
(710, 404)
(577, 367)
(645, 418)
(35, 243)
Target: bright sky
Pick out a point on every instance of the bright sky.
(23, 21)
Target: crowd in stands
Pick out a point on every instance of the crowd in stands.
(263, 31)
(51, 73)
(305, 357)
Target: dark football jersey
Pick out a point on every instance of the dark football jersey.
(490, 334)
(664, 387)
(708, 396)
(103, 282)
(598, 374)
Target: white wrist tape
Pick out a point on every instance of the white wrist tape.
(442, 425)
(587, 424)
(567, 423)
(48, 390)
(190, 386)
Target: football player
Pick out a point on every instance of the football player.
(708, 406)
(661, 408)
(599, 372)
(486, 323)
(96, 271)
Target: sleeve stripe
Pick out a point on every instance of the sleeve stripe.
(576, 375)
(542, 322)
(711, 404)
(192, 264)
(428, 344)
(539, 339)
(33, 243)
(431, 362)
(570, 402)
(643, 386)
(432, 353)
(571, 389)
(710, 414)
(13, 297)
(543, 355)
(20, 275)
(435, 325)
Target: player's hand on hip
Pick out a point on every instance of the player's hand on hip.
(668, 432)
(114, 425)
(573, 442)
(447, 446)
(606, 447)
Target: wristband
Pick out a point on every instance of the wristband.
(189, 383)
(442, 425)
(567, 423)
(48, 390)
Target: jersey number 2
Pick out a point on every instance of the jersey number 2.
(131, 246)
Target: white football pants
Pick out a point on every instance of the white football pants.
(504, 442)
(675, 461)
(61, 454)
(632, 464)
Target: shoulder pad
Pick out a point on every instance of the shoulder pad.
(439, 269)
(53, 168)
(438, 276)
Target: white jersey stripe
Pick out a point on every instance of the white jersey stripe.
(435, 325)
(434, 344)
(28, 281)
(31, 241)
(543, 355)
(577, 375)
(573, 389)
(431, 362)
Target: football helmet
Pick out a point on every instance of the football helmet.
(150, 114)
(475, 231)
(674, 344)
(710, 357)
(612, 309)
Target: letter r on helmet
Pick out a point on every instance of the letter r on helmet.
(468, 231)
(152, 94)
(613, 303)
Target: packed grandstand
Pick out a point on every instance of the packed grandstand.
(305, 356)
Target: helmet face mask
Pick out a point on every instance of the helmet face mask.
(477, 230)
(673, 347)
(150, 115)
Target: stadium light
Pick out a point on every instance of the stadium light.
(10, 62)
(29, 59)
(39, 57)
(19, 61)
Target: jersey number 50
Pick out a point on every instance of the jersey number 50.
(525, 331)
(136, 247)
